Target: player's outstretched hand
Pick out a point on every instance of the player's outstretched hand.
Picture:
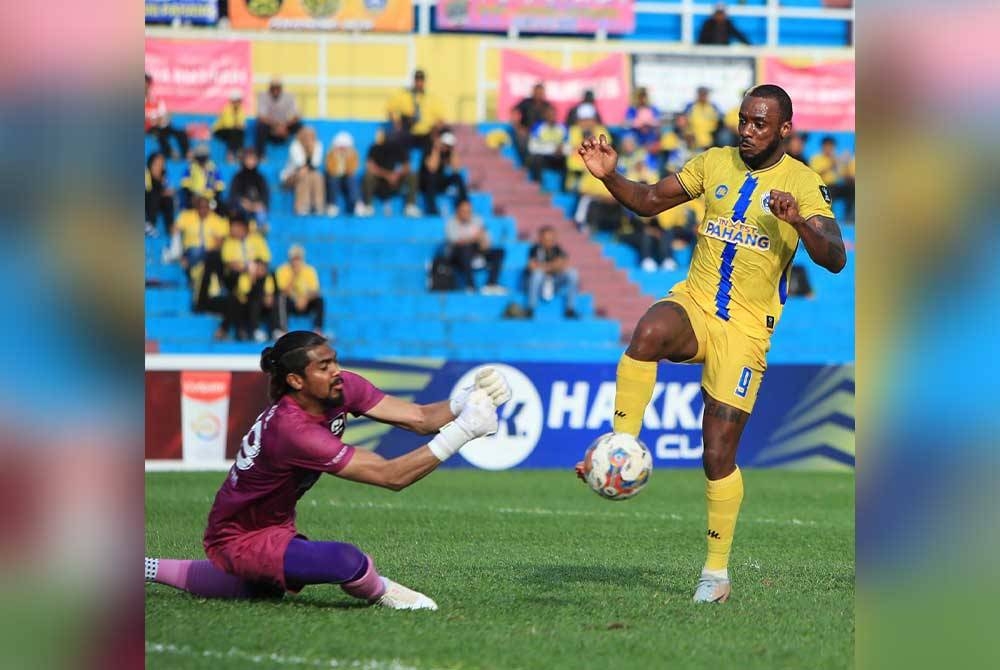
(479, 416)
(784, 206)
(488, 379)
(495, 384)
(580, 471)
(599, 156)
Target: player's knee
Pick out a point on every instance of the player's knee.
(718, 460)
(648, 340)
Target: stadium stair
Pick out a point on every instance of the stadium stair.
(615, 295)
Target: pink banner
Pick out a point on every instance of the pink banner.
(564, 88)
(198, 76)
(822, 95)
(531, 16)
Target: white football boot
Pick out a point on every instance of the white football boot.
(398, 597)
(712, 589)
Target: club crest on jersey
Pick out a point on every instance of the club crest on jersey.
(765, 202)
(337, 425)
(721, 192)
(741, 234)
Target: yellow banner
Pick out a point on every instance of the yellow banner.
(347, 15)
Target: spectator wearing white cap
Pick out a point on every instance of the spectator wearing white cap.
(277, 117)
(342, 165)
(440, 170)
(586, 126)
(230, 127)
(298, 290)
(574, 111)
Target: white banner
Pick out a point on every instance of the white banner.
(673, 80)
(204, 416)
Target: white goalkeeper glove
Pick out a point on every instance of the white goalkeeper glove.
(488, 379)
(477, 418)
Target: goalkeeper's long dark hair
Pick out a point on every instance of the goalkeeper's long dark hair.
(289, 355)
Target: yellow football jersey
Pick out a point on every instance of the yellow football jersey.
(742, 260)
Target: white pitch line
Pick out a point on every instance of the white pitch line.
(274, 658)
(542, 511)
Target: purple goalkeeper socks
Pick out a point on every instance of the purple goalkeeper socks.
(332, 563)
(199, 578)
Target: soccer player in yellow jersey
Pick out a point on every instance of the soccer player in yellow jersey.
(761, 204)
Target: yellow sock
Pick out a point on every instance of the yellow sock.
(724, 498)
(635, 382)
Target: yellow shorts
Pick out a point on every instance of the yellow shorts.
(734, 362)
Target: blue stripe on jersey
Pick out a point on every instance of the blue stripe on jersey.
(722, 296)
(783, 282)
(743, 202)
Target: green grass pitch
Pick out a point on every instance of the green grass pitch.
(530, 570)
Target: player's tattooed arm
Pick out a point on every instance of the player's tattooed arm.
(819, 234)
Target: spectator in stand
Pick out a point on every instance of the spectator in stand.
(573, 114)
(549, 273)
(201, 176)
(728, 134)
(666, 232)
(597, 209)
(468, 248)
(199, 233)
(417, 113)
(545, 148)
(158, 123)
(703, 118)
(525, 115)
(159, 196)
(833, 170)
(586, 126)
(250, 304)
(644, 119)
(298, 291)
(440, 170)
(230, 127)
(303, 173)
(795, 145)
(719, 29)
(249, 194)
(388, 173)
(239, 251)
(342, 165)
(676, 146)
(277, 117)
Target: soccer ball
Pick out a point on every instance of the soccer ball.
(617, 466)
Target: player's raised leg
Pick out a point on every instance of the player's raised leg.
(664, 332)
(721, 430)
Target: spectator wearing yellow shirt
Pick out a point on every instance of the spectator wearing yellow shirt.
(252, 295)
(545, 147)
(199, 232)
(728, 134)
(416, 112)
(586, 126)
(342, 167)
(703, 118)
(836, 173)
(597, 208)
(675, 146)
(201, 176)
(230, 127)
(298, 290)
(239, 249)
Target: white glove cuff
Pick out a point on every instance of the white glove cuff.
(449, 440)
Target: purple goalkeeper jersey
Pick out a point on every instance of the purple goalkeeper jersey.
(280, 459)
